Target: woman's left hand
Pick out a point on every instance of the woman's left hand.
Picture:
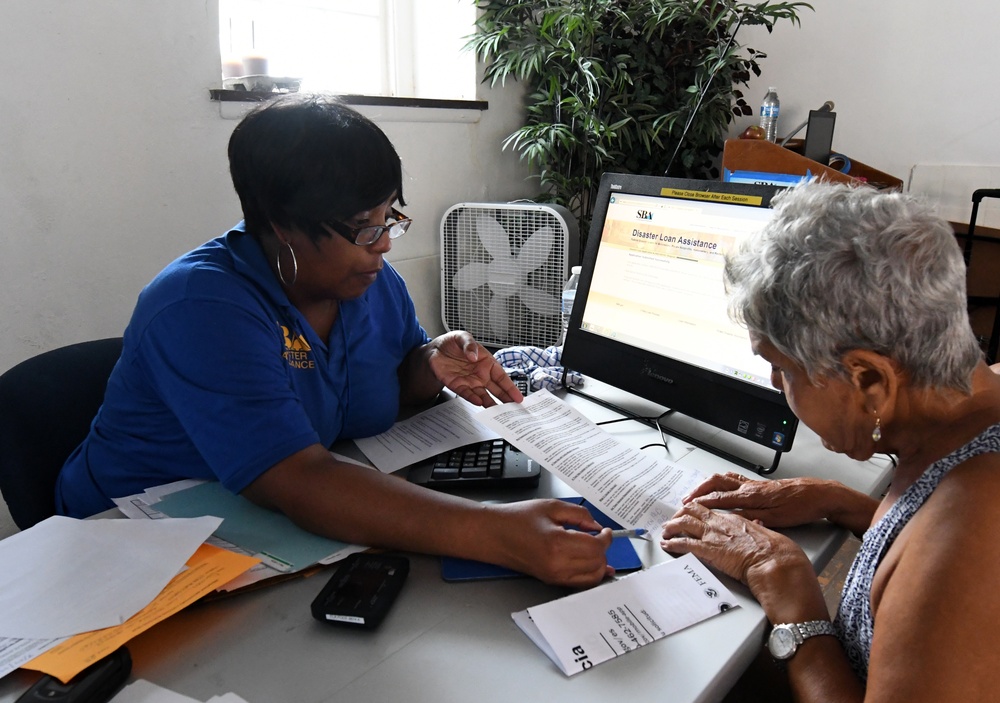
(468, 368)
(783, 502)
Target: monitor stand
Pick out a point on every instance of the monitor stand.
(654, 423)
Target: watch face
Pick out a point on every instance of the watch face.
(781, 643)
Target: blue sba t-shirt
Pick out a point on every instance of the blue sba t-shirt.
(221, 378)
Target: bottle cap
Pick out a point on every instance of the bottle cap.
(576, 270)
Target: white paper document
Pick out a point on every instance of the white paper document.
(438, 429)
(634, 487)
(142, 691)
(584, 629)
(65, 576)
(143, 506)
(15, 651)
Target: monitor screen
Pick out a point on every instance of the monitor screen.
(650, 313)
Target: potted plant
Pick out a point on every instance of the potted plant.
(636, 86)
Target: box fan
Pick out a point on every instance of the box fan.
(503, 266)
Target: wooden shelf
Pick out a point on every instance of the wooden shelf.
(760, 156)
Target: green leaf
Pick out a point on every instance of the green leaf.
(611, 84)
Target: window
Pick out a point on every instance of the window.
(397, 48)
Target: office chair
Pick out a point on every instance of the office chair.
(993, 342)
(46, 406)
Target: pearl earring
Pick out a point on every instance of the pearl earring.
(877, 432)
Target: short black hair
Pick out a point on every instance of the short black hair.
(299, 160)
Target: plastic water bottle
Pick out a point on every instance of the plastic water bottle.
(769, 114)
(568, 296)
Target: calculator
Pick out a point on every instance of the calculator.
(491, 463)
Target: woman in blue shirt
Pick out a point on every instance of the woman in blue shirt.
(246, 358)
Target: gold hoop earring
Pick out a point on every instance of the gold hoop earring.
(877, 432)
(295, 266)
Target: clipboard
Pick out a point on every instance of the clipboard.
(621, 555)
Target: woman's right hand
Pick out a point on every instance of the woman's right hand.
(731, 543)
(775, 503)
(773, 566)
(534, 539)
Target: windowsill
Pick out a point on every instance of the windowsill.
(233, 104)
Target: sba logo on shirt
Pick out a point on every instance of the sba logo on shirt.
(297, 350)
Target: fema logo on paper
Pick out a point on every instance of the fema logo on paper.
(712, 593)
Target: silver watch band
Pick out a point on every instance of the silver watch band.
(805, 630)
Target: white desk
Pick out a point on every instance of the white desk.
(456, 642)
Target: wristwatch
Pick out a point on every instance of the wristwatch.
(784, 640)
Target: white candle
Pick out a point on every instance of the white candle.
(254, 65)
(232, 68)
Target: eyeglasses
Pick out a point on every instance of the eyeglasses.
(396, 225)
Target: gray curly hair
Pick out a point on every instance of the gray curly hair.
(841, 268)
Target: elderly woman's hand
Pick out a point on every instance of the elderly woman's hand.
(725, 541)
(787, 502)
(775, 503)
(772, 565)
(466, 367)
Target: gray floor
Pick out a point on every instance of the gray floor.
(832, 578)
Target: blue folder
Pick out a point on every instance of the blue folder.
(621, 555)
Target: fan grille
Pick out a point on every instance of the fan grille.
(476, 310)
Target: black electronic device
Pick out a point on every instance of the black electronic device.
(361, 590)
(819, 136)
(492, 463)
(650, 314)
(95, 684)
(520, 379)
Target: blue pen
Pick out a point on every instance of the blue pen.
(637, 532)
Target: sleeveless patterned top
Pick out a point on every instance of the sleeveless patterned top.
(854, 621)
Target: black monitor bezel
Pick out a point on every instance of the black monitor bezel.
(705, 395)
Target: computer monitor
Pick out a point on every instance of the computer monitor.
(650, 315)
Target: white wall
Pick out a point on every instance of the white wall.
(914, 85)
(112, 163)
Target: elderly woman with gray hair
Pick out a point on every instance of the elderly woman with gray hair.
(857, 299)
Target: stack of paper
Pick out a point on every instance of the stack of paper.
(72, 591)
(280, 545)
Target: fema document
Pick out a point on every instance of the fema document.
(586, 628)
(635, 488)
